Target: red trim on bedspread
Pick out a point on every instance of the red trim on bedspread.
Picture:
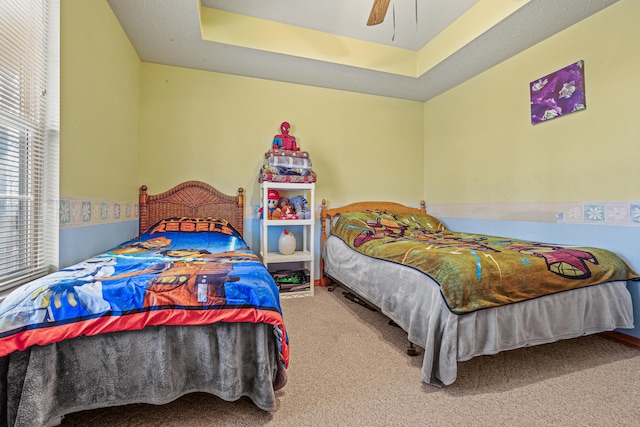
(136, 321)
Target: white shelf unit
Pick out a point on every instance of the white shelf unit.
(306, 254)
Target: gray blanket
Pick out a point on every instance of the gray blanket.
(155, 365)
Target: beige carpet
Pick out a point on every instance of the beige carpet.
(349, 368)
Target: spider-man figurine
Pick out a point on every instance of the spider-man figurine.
(284, 141)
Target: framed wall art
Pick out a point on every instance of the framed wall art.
(558, 94)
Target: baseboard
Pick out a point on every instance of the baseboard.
(629, 340)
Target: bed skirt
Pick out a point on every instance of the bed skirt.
(155, 365)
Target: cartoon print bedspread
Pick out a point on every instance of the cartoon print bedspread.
(477, 271)
(180, 272)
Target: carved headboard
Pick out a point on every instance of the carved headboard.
(193, 199)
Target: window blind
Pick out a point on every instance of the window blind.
(29, 139)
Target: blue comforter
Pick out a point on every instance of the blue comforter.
(182, 271)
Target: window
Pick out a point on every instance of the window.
(29, 139)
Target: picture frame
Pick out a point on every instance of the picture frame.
(558, 94)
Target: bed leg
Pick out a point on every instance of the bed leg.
(411, 350)
(330, 283)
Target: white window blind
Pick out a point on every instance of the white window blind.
(29, 139)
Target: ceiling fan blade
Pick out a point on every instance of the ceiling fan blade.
(378, 11)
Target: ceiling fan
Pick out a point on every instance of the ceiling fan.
(378, 12)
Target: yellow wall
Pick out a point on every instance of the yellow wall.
(498, 156)
(126, 123)
(99, 111)
(216, 128)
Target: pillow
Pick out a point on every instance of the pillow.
(412, 220)
(192, 225)
(427, 221)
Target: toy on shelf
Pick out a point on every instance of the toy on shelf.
(300, 206)
(286, 209)
(285, 162)
(287, 243)
(284, 141)
(273, 197)
(291, 280)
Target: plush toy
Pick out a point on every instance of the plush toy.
(272, 205)
(300, 206)
(286, 209)
(284, 141)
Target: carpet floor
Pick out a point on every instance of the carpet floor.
(349, 367)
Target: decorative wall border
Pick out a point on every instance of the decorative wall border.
(602, 213)
(79, 212)
(625, 213)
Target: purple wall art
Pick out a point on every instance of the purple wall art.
(558, 93)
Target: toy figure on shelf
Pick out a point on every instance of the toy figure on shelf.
(272, 205)
(284, 141)
(286, 209)
(300, 206)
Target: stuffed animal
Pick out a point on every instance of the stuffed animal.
(286, 209)
(272, 205)
(300, 206)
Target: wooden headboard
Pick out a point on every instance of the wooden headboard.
(332, 214)
(193, 199)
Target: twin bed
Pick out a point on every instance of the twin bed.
(185, 307)
(461, 295)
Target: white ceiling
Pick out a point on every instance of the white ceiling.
(416, 22)
(168, 32)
